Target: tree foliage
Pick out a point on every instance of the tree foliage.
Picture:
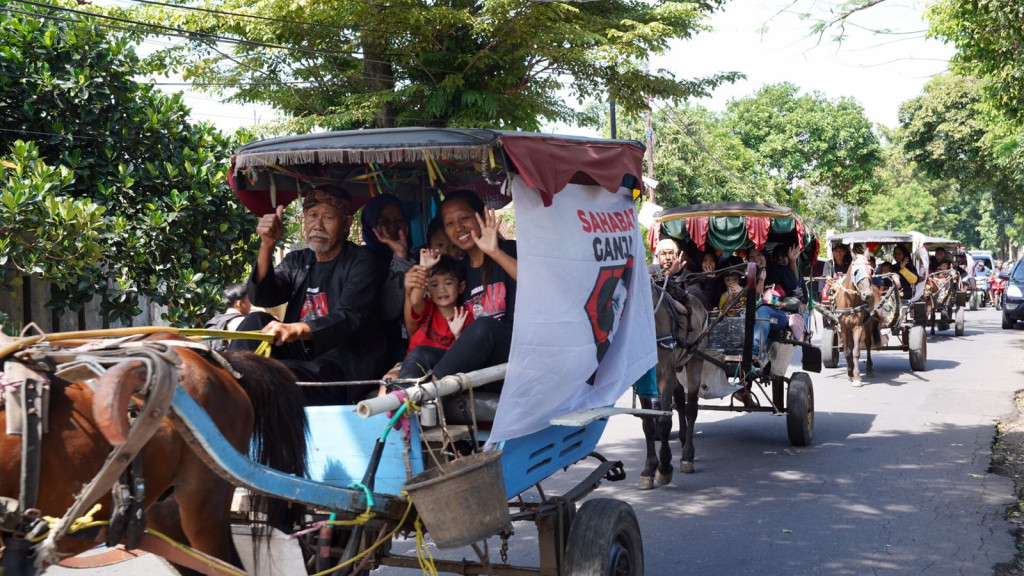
(951, 134)
(989, 39)
(467, 63)
(105, 187)
(812, 151)
(696, 158)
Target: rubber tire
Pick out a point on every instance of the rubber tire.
(958, 327)
(800, 409)
(604, 540)
(974, 301)
(918, 344)
(829, 354)
(1007, 323)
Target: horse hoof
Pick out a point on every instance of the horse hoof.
(857, 383)
(663, 479)
(646, 483)
(686, 466)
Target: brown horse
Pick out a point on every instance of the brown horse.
(854, 306)
(678, 322)
(261, 411)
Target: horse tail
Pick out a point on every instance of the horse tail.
(280, 426)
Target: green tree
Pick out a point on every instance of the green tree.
(696, 158)
(138, 193)
(815, 153)
(910, 200)
(950, 133)
(989, 40)
(512, 64)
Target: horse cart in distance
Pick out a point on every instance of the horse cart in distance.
(726, 232)
(868, 309)
(367, 482)
(944, 285)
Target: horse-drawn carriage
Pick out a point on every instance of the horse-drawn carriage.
(867, 310)
(730, 367)
(944, 285)
(71, 396)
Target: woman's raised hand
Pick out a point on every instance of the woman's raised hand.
(398, 245)
(487, 240)
(415, 278)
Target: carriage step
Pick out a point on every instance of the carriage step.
(588, 415)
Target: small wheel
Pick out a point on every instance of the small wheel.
(918, 348)
(829, 348)
(604, 540)
(1007, 322)
(974, 301)
(958, 327)
(800, 409)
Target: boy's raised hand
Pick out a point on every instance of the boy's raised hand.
(458, 321)
(429, 257)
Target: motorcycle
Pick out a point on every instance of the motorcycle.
(979, 292)
(998, 286)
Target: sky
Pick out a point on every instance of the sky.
(769, 42)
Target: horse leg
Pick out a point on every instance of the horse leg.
(204, 506)
(848, 346)
(869, 342)
(858, 333)
(667, 394)
(650, 426)
(688, 417)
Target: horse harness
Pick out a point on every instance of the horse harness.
(671, 340)
(26, 395)
(25, 398)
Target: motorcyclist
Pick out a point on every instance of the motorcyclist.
(981, 275)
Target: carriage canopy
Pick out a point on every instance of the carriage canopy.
(728, 227)
(413, 162)
(584, 331)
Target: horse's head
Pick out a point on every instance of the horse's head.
(859, 279)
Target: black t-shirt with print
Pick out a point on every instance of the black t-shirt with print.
(498, 297)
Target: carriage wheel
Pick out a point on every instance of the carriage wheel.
(975, 297)
(829, 348)
(958, 327)
(604, 540)
(918, 348)
(800, 409)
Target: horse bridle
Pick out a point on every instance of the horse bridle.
(671, 340)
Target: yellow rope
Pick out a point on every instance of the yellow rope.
(375, 545)
(264, 348)
(193, 554)
(423, 554)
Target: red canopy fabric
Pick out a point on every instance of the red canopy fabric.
(757, 230)
(548, 164)
(697, 228)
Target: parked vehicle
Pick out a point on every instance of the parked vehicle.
(1013, 295)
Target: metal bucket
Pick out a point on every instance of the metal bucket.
(465, 502)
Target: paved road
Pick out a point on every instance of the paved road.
(895, 481)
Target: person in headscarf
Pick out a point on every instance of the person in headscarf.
(386, 233)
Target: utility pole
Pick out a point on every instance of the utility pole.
(611, 115)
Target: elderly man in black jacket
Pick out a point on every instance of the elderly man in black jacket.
(330, 331)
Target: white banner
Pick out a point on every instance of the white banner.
(584, 326)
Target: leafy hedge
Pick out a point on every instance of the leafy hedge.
(106, 188)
